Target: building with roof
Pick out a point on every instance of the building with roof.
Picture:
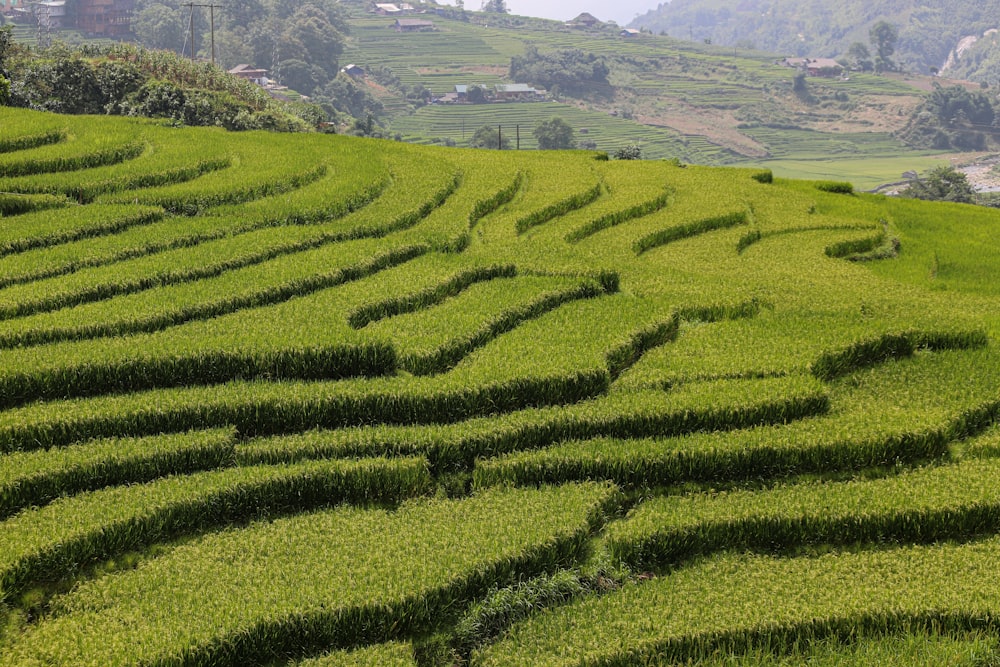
(413, 25)
(827, 67)
(10, 7)
(251, 74)
(50, 14)
(517, 92)
(104, 18)
(354, 71)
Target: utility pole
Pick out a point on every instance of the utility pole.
(499, 137)
(518, 127)
(211, 7)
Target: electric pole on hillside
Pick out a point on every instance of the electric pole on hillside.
(211, 10)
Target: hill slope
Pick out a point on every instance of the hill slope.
(699, 103)
(271, 398)
(929, 32)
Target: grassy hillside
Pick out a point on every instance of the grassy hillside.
(320, 400)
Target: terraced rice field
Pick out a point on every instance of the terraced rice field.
(318, 400)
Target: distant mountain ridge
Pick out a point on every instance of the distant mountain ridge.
(930, 32)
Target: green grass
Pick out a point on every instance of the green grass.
(730, 602)
(210, 416)
(866, 173)
(439, 552)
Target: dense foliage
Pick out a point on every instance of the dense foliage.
(554, 133)
(941, 184)
(131, 81)
(953, 118)
(569, 71)
(928, 32)
(299, 43)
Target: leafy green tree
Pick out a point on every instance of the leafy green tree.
(158, 26)
(117, 80)
(6, 44)
(495, 6)
(955, 104)
(569, 70)
(301, 76)
(241, 13)
(942, 184)
(59, 81)
(883, 36)
(554, 133)
(859, 57)
(4, 91)
(489, 136)
(344, 95)
(629, 152)
(476, 94)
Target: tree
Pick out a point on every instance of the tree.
(159, 27)
(489, 136)
(629, 152)
(475, 94)
(883, 37)
(859, 57)
(569, 70)
(301, 76)
(554, 134)
(6, 44)
(495, 6)
(942, 184)
(344, 95)
(241, 13)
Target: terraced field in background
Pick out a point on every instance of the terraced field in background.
(699, 103)
(272, 399)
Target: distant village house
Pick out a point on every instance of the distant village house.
(517, 92)
(827, 67)
(630, 32)
(413, 25)
(353, 71)
(504, 92)
(102, 18)
(251, 74)
(11, 7)
(393, 9)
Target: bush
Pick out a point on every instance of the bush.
(629, 152)
(838, 187)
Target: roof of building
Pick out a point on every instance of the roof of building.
(386, 7)
(247, 69)
(813, 63)
(823, 63)
(515, 88)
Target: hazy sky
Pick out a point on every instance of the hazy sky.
(621, 11)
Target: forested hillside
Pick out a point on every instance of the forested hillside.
(929, 32)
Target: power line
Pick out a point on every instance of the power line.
(211, 8)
